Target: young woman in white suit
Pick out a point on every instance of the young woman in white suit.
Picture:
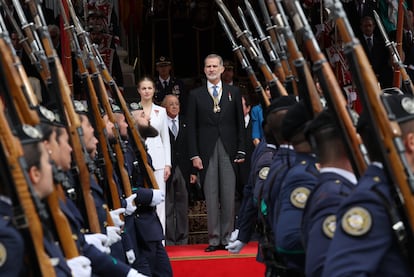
(159, 146)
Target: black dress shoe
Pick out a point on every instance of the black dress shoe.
(212, 248)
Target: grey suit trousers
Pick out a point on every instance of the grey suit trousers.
(219, 190)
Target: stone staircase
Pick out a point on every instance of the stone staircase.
(197, 217)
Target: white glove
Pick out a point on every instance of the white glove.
(118, 222)
(114, 235)
(100, 241)
(130, 254)
(157, 197)
(234, 235)
(235, 247)
(130, 208)
(80, 266)
(133, 273)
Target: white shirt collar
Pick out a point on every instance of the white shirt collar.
(162, 80)
(342, 172)
(210, 85)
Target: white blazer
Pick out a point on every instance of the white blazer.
(159, 147)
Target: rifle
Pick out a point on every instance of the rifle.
(399, 40)
(266, 44)
(387, 132)
(396, 58)
(277, 89)
(331, 89)
(116, 93)
(238, 51)
(62, 226)
(61, 90)
(20, 91)
(28, 210)
(92, 85)
(308, 92)
(32, 44)
(278, 43)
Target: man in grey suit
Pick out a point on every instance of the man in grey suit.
(216, 142)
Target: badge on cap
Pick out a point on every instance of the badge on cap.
(299, 196)
(407, 104)
(3, 254)
(115, 108)
(263, 173)
(48, 114)
(356, 221)
(31, 132)
(80, 107)
(329, 226)
(135, 106)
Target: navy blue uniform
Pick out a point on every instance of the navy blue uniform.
(297, 185)
(319, 217)
(56, 257)
(147, 224)
(258, 174)
(364, 243)
(175, 86)
(282, 162)
(102, 264)
(11, 242)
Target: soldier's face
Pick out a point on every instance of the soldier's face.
(109, 126)
(88, 136)
(164, 70)
(123, 126)
(65, 150)
(140, 118)
(42, 177)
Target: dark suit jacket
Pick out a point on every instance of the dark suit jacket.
(176, 87)
(355, 17)
(179, 151)
(205, 127)
(243, 169)
(380, 60)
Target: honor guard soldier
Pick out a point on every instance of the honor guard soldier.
(93, 246)
(11, 244)
(149, 229)
(294, 191)
(336, 180)
(262, 158)
(365, 241)
(166, 84)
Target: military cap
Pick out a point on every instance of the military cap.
(280, 103)
(323, 120)
(49, 117)
(161, 61)
(295, 120)
(28, 134)
(80, 107)
(116, 109)
(134, 106)
(391, 90)
(399, 106)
